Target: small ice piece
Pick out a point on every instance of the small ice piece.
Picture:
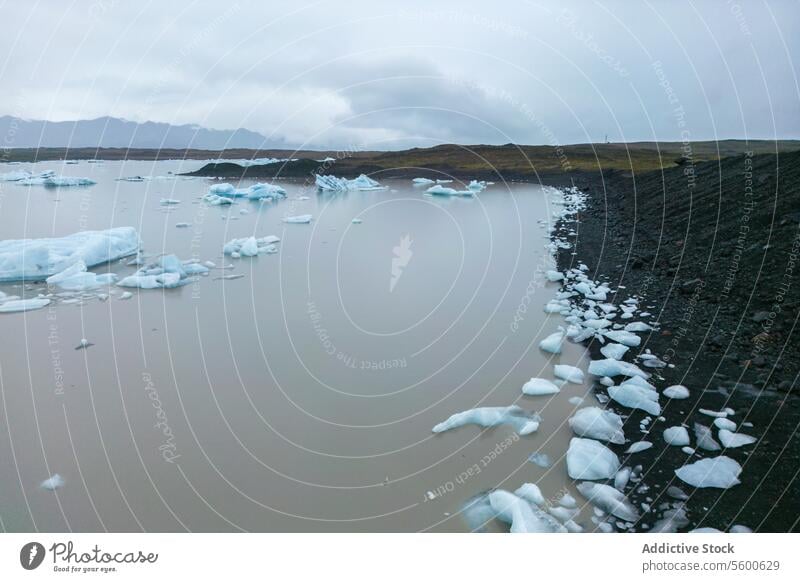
(705, 440)
(169, 202)
(688, 450)
(66, 182)
(588, 459)
(625, 338)
(676, 436)
(612, 367)
(638, 447)
(715, 413)
(531, 493)
(522, 422)
(84, 344)
(539, 387)
(300, 219)
(725, 423)
(37, 259)
(77, 278)
(719, 472)
(732, 440)
(250, 246)
(621, 478)
(182, 225)
(53, 483)
(19, 305)
(125, 295)
(609, 500)
(677, 493)
(671, 521)
(521, 515)
(422, 181)
(676, 392)
(216, 200)
(575, 400)
(635, 395)
(569, 373)
(705, 530)
(637, 326)
(738, 528)
(568, 501)
(356, 221)
(554, 276)
(614, 351)
(476, 186)
(540, 459)
(552, 343)
(596, 423)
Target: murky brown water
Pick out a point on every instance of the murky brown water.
(300, 397)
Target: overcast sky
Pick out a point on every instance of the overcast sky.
(385, 75)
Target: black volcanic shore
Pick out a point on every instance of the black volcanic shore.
(714, 248)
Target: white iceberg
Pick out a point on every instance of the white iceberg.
(725, 423)
(638, 447)
(334, 184)
(19, 305)
(77, 278)
(422, 181)
(589, 459)
(705, 439)
(676, 392)
(719, 472)
(439, 190)
(521, 515)
(522, 422)
(569, 373)
(611, 367)
(635, 395)
(609, 499)
(300, 219)
(554, 276)
(531, 493)
(539, 387)
(37, 259)
(53, 483)
(637, 326)
(251, 246)
(732, 440)
(552, 343)
(676, 436)
(596, 423)
(614, 351)
(623, 337)
(255, 192)
(168, 272)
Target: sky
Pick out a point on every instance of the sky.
(390, 75)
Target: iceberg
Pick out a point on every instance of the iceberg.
(520, 515)
(554, 276)
(522, 422)
(422, 181)
(37, 259)
(539, 387)
(614, 351)
(541, 460)
(334, 184)
(476, 186)
(66, 181)
(718, 472)
(676, 392)
(676, 436)
(552, 343)
(732, 440)
(705, 439)
(53, 483)
(439, 190)
(638, 447)
(637, 326)
(569, 373)
(623, 337)
(255, 192)
(19, 305)
(301, 219)
(216, 200)
(610, 500)
(29, 179)
(588, 459)
(168, 272)
(531, 493)
(635, 395)
(251, 247)
(612, 367)
(725, 423)
(77, 278)
(596, 423)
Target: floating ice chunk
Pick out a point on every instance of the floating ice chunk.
(77, 278)
(625, 338)
(575, 400)
(719, 472)
(334, 184)
(634, 395)
(569, 373)
(677, 493)
(676, 436)
(612, 367)
(552, 343)
(540, 459)
(19, 305)
(422, 181)
(476, 186)
(568, 501)
(356, 221)
(671, 521)
(638, 447)
(539, 387)
(67, 181)
(522, 422)
(264, 192)
(125, 295)
(688, 450)
(637, 326)
(621, 478)
(531, 493)
(53, 483)
(588, 459)
(554, 276)
(15, 176)
(714, 413)
(250, 247)
(37, 259)
(169, 202)
(705, 440)
(300, 219)
(222, 190)
(705, 530)
(614, 351)
(596, 423)
(166, 273)
(676, 392)
(732, 440)
(740, 529)
(725, 423)
(522, 517)
(609, 500)
(216, 200)
(556, 306)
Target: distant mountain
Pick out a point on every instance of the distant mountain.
(112, 132)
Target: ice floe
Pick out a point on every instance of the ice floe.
(638, 447)
(732, 440)
(334, 184)
(611, 367)
(552, 343)
(166, 273)
(522, 422)
(614, 351)
(569, 373)
(589, 459)
(251, 246)
(636, 394)
(521, 515)
(37, 259)
(300, 219)
(52, 483)
(19, 305)
(676, 392)
(609, 499)
(77, 278)
(596, 423)
(676, 436)
(718, 472)
(439, 190)
(705, 439)
(539, 387)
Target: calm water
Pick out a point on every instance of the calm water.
(298, 397)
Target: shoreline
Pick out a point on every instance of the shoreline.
(728, 316)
